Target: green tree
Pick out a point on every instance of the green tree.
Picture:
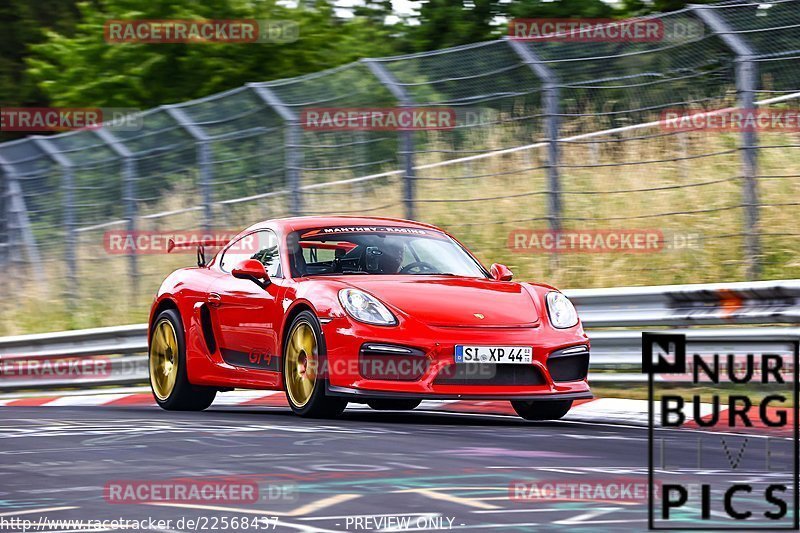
(83, 69)
(22, 23)
(444, 23)
(562, 9)
(642, 7)
(377, 11)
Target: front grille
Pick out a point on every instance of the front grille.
(569, 364)
(489, 374)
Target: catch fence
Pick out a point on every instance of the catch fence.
(550, 135)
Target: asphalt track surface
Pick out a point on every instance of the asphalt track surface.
(430, 468)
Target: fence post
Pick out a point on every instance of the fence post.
(406, 137)
(70, 236)
(206, 173)
(17, 222)
(5, 235)
(746, 86)
(128, 195)
(206, 188)
(293, 156)
(551, 105)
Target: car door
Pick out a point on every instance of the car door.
(246, 315)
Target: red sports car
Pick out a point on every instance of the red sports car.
(370, 310)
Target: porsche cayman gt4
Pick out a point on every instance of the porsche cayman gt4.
(379, 311)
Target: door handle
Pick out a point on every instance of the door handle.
(214, 299)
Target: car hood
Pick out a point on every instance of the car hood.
(454, 302)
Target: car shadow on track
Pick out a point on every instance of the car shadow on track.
(421, 417)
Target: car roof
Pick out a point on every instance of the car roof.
(309, 222)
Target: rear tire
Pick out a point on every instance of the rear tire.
(303, 362)
(394, 405)
(541, 409)
(167, 363)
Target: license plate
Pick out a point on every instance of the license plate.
(521, 355)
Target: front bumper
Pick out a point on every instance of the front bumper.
(440, 378)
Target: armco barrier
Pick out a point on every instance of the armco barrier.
(761, 302)
(616, 354)
(47, 359)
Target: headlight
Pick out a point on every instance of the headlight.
(366, 308)
(562, 312)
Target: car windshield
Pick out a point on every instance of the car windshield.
(378, 251)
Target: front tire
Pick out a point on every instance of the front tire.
(303, 357)
(541, 409)
(167, 362)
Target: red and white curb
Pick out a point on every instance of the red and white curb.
(599, 410)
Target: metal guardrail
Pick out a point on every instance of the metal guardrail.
(117, 340)
(761, 302)
(80, 358)
(119, 353)
(617, 354)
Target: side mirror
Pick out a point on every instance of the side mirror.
(501, 272)
(253, 270)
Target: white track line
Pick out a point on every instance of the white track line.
(76, 401)
(630, 411)
(39, 510)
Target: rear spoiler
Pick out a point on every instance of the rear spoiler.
(201, 250)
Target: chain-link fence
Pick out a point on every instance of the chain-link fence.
(550, 135)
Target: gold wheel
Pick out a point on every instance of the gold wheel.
(301, 363)
(163, 359)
